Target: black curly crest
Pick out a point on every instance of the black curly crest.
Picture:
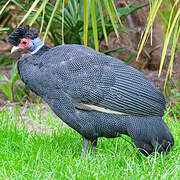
(22, 32)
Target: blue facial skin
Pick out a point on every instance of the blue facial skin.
(35, 45)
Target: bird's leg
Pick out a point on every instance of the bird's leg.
(85, 146)
(93, 146)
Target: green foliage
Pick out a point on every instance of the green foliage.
(172, 31)
(115, 50)
(129, 9)
(172, 91)
(8, 86)
(67, 21)
(5, 60)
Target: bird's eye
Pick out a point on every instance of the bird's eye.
(24, 42)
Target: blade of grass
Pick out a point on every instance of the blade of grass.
(29, 11)
(131, 56)
(42, 21)
(76, 9)
(71, 8)
(125, 11)
(151, 31)
(111, 8)
(151, 17)
(106, 3)
(94, 23)
(4, 7)
(51, 19)
(102, 21)
(43, 5)
(4, 29)
(175, 40)
(18, 4)
(169, 31)
(115, 50)
(86, 14)
(116, 12)
(62, 27)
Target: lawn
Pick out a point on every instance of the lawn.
(35, 144)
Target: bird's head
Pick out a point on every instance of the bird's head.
(24, 38)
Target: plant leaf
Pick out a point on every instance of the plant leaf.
(5, 88)
(86, 15)
(115, 50)
(151, 17)
(56, 7)
(29, 11)
(168, 36)
(94, 23)
(42, 7)
(4, 7)
(14, 75)
(111, 12)
(4, 29)
(102, 21)
(174, 43)
(4, 78)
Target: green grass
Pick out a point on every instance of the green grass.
(35, 145)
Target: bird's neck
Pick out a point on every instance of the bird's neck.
(41, 50)
(37, 47)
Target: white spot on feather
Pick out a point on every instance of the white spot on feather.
(63, 62)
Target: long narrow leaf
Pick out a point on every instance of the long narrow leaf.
(86, 14)
(18, 4)
(116, 50)
(175, 40)
(167, 38)
(71, 8)
(5, 88)
(116, 12)
(111, 8)
(51, 19)
(43, 5)
(102, 20)
(4, 29)
(42, 21)
(29, 11)
(106, 3)
(4, 7)
(151, 17)
(3, 78)
(94, 23)
(62, 27)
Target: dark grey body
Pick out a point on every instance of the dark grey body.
(69, 75)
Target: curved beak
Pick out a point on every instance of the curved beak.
(14, 49)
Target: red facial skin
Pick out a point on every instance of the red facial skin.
(24, 43)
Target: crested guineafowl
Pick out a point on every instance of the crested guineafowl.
(95, 94)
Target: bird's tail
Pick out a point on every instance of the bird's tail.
(150, 133)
